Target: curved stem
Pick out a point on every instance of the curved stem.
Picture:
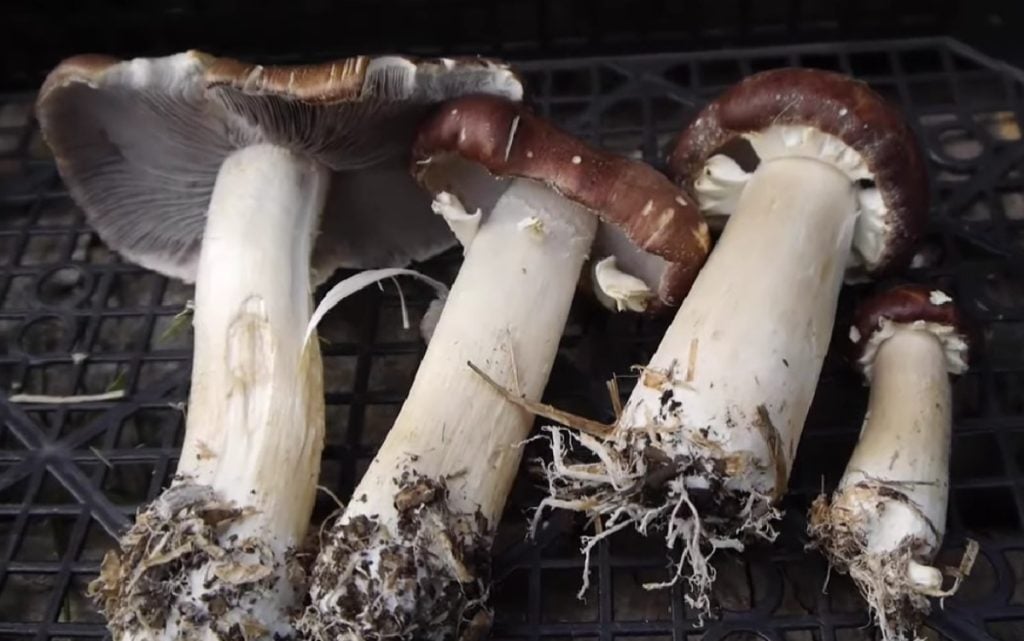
(255, 415)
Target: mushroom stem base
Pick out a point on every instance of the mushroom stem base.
(426, 579)
(884, 577)
(181, 576)
(657, 481)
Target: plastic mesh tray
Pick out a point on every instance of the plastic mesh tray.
(76, 320)
(40, 32)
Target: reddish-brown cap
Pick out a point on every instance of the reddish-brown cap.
(507, 140)
(139, 144)
(884, 149)
(924, 308)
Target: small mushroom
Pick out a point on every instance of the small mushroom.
(840, 181)
(538, 195)
(245, 179)
(886, 519)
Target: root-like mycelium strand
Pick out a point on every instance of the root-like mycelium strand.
(181, 575)
(426, 580)
(654, 480)
(893, 598)
(895, 582)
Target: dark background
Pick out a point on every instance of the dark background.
(37, 34)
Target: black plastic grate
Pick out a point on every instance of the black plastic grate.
(41, 32)
(76, 320)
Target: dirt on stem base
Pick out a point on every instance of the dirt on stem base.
(182, 574)
(896, 603)
(701, 497)
(426, 581)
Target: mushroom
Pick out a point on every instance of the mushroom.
(244, 179)
(706, 441)
(410, 556)
(886, 519)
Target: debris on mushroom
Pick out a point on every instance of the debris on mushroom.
(704, 446)
(885, 521)
(719, 187)
(618, 289)
(462, 223)
(409, 558)
(253, 182)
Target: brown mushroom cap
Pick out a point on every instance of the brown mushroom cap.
(929, 307)
(139, 144)
(836, 105)
(508, 141)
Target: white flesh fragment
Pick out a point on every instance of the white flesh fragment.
(939, 297)
(462, 223)
(430, 317)
(618, 290)
(630, 260)
(533, 226)
(720, 184)
(888, 515)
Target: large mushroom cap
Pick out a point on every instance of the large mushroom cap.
(828, 117)
(473, 145)
(139, 144)
(917, 307)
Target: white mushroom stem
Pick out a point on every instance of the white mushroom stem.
(720, 184)
(888, 515)
(505, 314)
(256, 403)
(217, 546)
(750, 338)
(904, 445)
(618, 290)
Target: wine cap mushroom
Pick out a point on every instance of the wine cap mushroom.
(829, 117)
(474, 145)
(917, 307)
(885, 521)
(139, 144)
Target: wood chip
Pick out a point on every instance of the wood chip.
(583, 424)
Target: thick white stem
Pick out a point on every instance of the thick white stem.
(255, 415)
(903, 446)
(212, 556)
(432, 496)
(505, 314)
(749, 340)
